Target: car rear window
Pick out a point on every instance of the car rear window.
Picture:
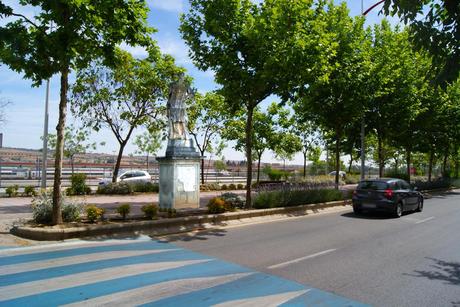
(372, 185)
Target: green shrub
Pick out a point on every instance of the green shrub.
(216, 205)
(12, 191)
(124, 210)
(119, 188)
(42, 208)
(30, 191)
(441, 183)
(145, 187)
(210, 187)
(288, 198)
(224, 187)
(71, 212)
(233, 201)
(78, 185)
(94, 213)
(240, 186)
(232, 186)
(150, 211)
(352, 179)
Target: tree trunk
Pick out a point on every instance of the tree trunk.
(304, 164)
(396, 165)
(408, 162)
(202, 168)
(380, 154)
(444, 163)
(249, 156)
(351, 163)
(258, 168)
(117, 165)
(71, 164)
(57, 198)
(337, 161)
(147, 161)
(430, 164)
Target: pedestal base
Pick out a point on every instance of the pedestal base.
(179, 182)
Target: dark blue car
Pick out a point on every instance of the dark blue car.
(394, 196)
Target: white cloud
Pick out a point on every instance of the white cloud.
(137, 51)
(167, 5)
(176, 48)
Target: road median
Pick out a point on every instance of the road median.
(168, 225)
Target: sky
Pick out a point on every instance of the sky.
(25, 115)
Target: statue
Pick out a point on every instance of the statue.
(179, 93)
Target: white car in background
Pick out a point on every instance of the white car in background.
(129, 176)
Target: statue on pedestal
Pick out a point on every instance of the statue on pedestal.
(179, 93)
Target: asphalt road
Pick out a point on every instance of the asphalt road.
(374, 259)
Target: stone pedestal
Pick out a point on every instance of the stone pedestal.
(179, 182)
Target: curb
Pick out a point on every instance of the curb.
(164, 226)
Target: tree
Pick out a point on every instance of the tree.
(335, 98)
(148, 143)
(254, 50)
(206, 123)
(66, 35)
(75, 142)
(437, 30)
(123, 97)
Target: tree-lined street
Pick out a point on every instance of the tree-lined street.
(334, 259)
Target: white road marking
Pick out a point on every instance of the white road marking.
(156, 292)
(85, 278)
(45, 264)
(425, 220)
(283, 264)
(266, 301)
(62, 246)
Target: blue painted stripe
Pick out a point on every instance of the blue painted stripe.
(144, 245)
(319, 298)
(256, 285)
(89, 291)
(43, 274)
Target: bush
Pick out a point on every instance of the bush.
(210, 187)
(78, 185)
(30, 191)
(232, 186)
(352, 179)
(150, 211)
(441, 183)
(124, 210)
(288, 198)
(71, 212)
(233, 200)
(42, 207)
(12, 191)
(145, 187)
(119, 188)
(216, 205)
(94, 213)
(224, 187)
(240, 186)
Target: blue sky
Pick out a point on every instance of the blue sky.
(24, 125)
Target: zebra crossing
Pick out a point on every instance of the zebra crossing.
(141, 272)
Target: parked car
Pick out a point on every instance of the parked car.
(129, 176)
(342, 174)
(386, 194)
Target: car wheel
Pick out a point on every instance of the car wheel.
(420, 205)
(357, 210)
(399, 210)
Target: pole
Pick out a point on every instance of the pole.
(45, 138)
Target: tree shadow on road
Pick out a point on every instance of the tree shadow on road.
(193, 236)
(449, 272)
(442, 195)
(369, 215)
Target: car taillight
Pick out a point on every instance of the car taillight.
(388, 193)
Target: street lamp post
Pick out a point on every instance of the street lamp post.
(363, 124)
